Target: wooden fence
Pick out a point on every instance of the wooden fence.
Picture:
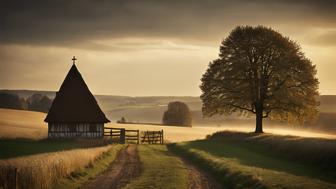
(152, 137)
(122, 135)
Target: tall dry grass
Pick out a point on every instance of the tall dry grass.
(43, 170)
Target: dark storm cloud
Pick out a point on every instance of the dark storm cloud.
(64, 22)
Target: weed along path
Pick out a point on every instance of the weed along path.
(124, 168)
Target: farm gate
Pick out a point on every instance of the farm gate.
(122, 136)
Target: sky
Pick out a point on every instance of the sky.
(148, 47)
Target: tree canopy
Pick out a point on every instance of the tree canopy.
(177, 114)
(261, 72)
(11, 101)
(39, 102)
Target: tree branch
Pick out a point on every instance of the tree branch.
(243, 108)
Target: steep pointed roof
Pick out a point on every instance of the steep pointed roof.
(74, 102)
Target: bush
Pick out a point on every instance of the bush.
(178, 114)
(39, 102)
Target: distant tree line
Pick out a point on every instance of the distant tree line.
(122, 120)
(36, 102)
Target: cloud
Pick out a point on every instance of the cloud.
(71, 22)
(325, 38)
(147, 47)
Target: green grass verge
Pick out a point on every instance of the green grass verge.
(11, 148)
(21, 147)
(160, 169)
(314, 151)
(238, 165)
(81, 176)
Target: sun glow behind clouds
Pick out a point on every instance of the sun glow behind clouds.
(135, 66)
(148, 47)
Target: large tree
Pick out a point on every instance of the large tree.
(261, 72)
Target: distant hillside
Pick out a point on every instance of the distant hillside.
(28, 93)
(150, 109)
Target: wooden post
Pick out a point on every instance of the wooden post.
(148, 137)
(162, 136)
(111, 133)
(122, 136)
(138, 136)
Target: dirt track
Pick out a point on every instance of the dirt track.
(200, 180)
(126, 166)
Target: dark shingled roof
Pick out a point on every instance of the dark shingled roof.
(74, 102)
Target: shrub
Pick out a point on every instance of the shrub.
(178, 114)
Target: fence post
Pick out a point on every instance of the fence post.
(122, 136)
(162, 136)
(138, 136)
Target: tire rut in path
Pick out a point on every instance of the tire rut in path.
(121, 171)
(199, 179)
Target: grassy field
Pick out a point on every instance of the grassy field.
(21, 147)
(238, 160)
(22, 124)
(43, 170)
(81, 176)
(160, 169)
(239, 163)
(26, 124)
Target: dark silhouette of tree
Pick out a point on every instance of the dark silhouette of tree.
(11, 101)
(122, 120)
(261, 72)
(177, 114)
(39, 102)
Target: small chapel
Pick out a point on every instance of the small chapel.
(75, 111)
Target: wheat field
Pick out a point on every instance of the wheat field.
(22, 124)
(43, 170)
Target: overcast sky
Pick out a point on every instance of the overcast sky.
(148, 47)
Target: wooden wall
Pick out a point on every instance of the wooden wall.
(73, 130)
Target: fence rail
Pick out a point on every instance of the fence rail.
(152, 137)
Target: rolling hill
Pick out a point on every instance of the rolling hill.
(151, 108)
(22, 124)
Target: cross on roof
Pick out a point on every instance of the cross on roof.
(74, 59)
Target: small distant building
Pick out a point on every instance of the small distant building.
(74, 111)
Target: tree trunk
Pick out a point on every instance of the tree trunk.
(259, 118)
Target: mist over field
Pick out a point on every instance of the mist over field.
(151, 108)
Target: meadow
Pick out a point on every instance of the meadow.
(44, 170)
(281, 158)
(82, 175)
(22, 124)
(245, 160)
(150, 110)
